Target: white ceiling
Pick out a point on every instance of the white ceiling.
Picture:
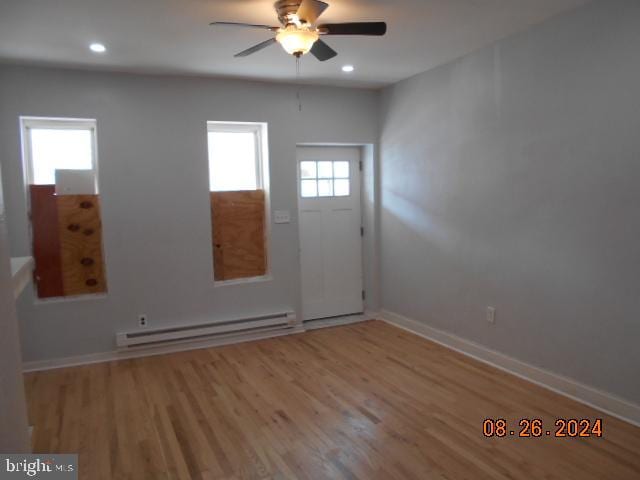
(173, 36)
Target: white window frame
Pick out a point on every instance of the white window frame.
(53, 123)
(260, 130)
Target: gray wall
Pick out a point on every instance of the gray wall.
(13, 413)
(154, 186)
(511, 178)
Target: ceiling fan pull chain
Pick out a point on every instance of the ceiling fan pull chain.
(298, 83)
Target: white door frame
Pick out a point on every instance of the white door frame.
(361, 192)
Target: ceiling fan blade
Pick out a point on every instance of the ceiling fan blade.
(322, 51)
(256, 48)
(310, 10)
(247, 25)
(355, 28)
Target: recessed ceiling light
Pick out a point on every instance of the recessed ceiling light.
(98, 48)
(348, 68)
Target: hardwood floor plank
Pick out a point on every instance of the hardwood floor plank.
(365, 401)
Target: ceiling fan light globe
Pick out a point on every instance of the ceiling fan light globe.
(297, 41)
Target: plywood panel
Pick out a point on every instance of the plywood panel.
(46, 241)
(80, 230)
(238, 222)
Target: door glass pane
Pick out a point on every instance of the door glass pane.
(341, 169)
(307, 169)
(325, 188)
(341, 187)
(325, 169)
(309, 188)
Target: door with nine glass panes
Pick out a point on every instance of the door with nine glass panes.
(330, 231)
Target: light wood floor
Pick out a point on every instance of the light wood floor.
(366, 401)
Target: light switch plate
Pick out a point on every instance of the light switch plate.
(282, 216)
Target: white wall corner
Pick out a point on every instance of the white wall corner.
(602, 401)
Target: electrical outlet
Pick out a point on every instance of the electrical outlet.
(491, 315)
(142, 320)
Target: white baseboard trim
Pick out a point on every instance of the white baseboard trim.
(182, 346)
(338, 321)
(148, 351)
(602, 401)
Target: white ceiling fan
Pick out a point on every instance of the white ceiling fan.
(299, 34)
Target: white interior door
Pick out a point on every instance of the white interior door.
(330, 231)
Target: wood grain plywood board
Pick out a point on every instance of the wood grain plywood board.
(46, 241)
(80, 229)
(238, 222)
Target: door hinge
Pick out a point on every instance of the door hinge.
(364, 295)
(362, 231)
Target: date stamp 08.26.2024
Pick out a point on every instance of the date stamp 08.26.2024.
(536, 428)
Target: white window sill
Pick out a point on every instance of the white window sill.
(74, 298)
(242, 281)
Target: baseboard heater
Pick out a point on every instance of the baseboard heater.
(267, 323)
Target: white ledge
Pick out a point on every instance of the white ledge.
(20, 273)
